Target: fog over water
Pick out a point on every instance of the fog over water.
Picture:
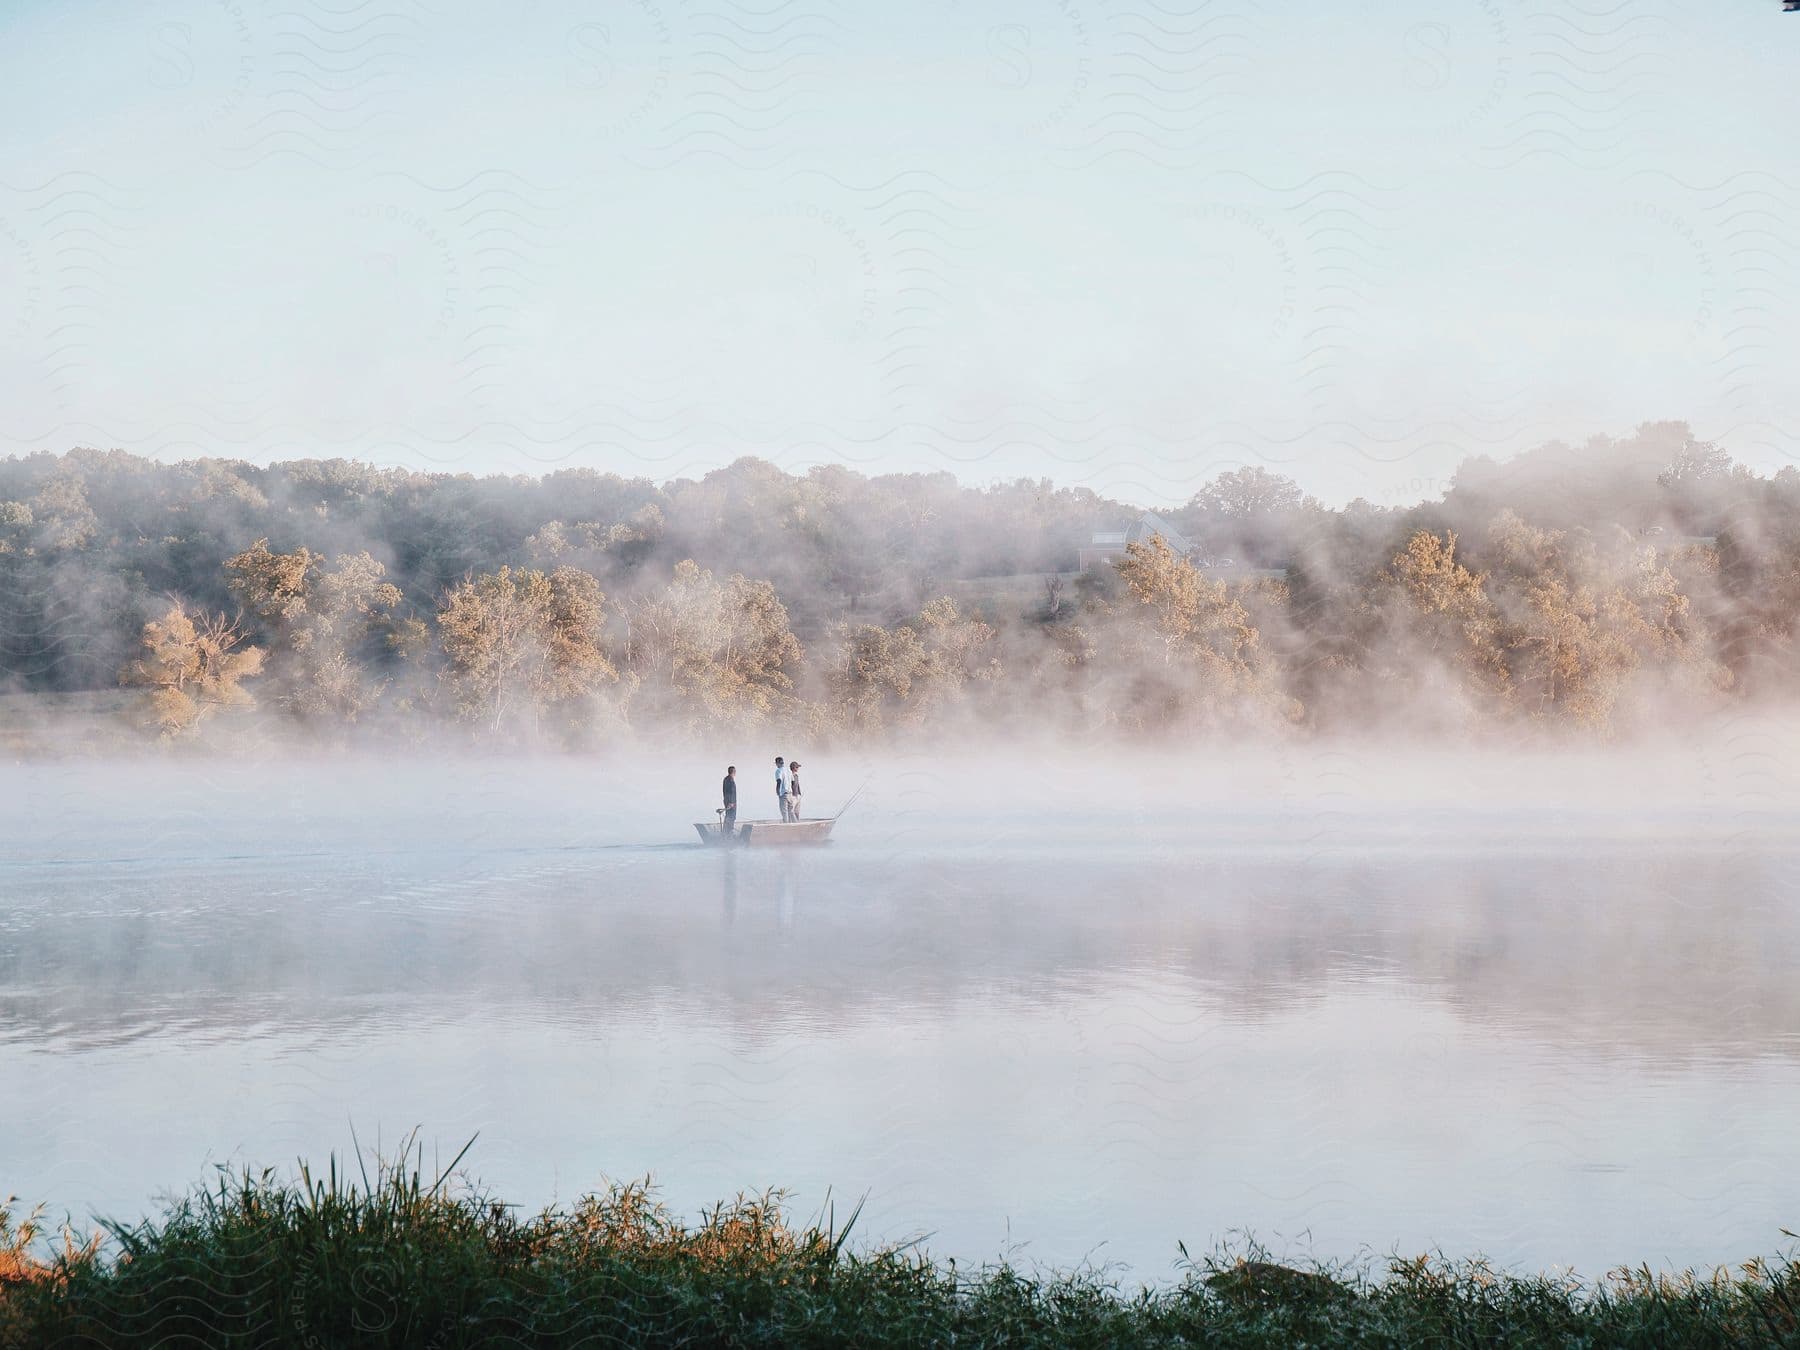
(1347, 997)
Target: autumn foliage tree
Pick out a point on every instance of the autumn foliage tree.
(705, 653)
(1436, 628)
(1583, 619)
(192, 669)
(520, 645)
(913, 673)
(1185, 651)
(322, 620)
(1570, 589)
(873, 675)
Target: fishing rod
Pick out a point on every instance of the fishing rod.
(854, 795)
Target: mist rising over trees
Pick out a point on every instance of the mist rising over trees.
(1591, 588)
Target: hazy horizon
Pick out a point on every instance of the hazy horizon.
(1128, 247)
(1400, 499)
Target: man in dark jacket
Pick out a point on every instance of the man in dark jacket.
(730, 798)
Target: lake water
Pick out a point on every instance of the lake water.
(1040, 1007)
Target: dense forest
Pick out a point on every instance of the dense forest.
(1600, 587)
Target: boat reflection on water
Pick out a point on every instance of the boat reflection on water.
(1668, 957)
(773, 889)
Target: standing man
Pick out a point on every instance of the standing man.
(781, 788)
(794, 790)
(730, 790)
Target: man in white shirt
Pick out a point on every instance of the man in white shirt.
(781, 787)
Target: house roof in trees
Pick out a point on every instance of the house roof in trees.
(1142, 528)
(1150, 523)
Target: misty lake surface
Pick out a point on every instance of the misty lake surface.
(1061, 1010)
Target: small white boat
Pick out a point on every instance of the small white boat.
(766, 832)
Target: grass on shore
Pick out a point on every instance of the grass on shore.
(394, 1260)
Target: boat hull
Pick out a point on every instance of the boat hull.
(767, 833)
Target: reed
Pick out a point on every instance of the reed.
(403, 1257)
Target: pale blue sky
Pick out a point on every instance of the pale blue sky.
(1122, 244)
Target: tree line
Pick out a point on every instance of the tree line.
(1597, 587)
